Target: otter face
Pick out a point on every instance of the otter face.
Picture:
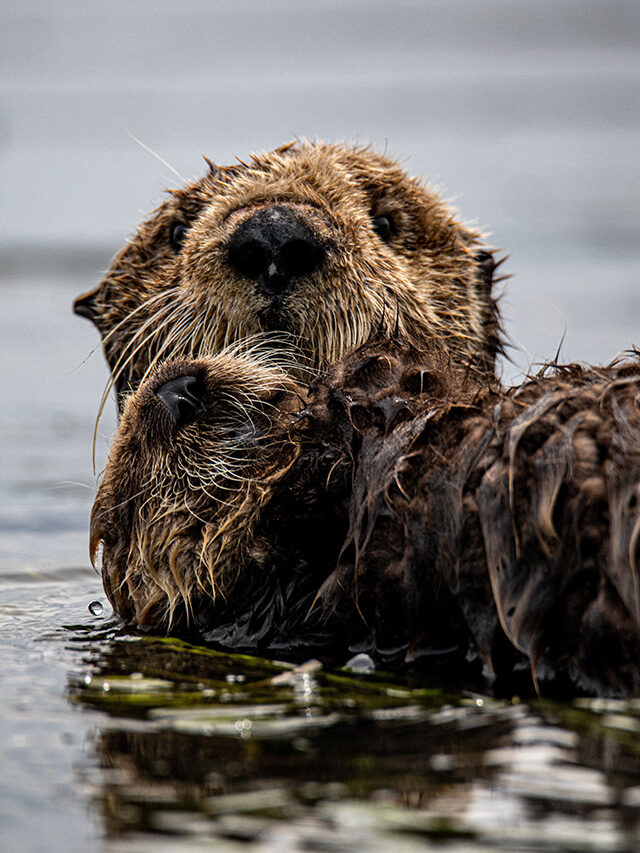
(185, 459)
(325, 244)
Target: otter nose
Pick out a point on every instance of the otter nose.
(275, 248)
(181, 397)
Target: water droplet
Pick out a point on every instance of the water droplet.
(162, 767)
(96, 608)
(360, 663)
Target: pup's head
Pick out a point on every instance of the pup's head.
(195, 453)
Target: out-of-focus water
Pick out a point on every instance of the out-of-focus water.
(51, 388)
(527, 114)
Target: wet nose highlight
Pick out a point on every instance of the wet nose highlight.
(181, 396)
(275, 247)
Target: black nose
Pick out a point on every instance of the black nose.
(181, 396)
(275, 248)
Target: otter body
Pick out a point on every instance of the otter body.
(318, 245)
(487, 535)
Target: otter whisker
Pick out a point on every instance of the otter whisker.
(126, 357)
(165, 296)
(173, 339)
(125, 361)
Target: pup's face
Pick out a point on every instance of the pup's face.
(177, 498)
(326, 244)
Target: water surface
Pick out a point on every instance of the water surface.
(113, 741)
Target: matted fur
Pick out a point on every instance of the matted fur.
(431, 280)
(403, 510)
(171, 502)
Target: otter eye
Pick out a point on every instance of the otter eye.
(383, 226)
(177, 235)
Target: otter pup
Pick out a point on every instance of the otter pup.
(478, 532)
(323, 243)
(193, 538)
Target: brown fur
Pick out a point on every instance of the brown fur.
(182, 497)
(427, 518)
(431, 280)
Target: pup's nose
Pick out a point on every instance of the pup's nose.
(181, 396)
(275, 248)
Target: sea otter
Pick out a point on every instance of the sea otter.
(488, 534)
(319, 245)
(183, 511)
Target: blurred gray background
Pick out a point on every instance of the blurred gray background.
(525, 113)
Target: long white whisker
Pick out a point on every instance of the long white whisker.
(157, 156)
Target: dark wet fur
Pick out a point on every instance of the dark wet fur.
(485, 536)
(508, 520)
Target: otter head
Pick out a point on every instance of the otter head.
(195, 450)
(326, 243)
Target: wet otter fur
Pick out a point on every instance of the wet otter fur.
(487, 535)
(324, 243)
(192, 537)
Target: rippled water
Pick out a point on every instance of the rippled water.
(118, 742)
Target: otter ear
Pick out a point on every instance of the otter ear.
(85, 306)
(213, 168)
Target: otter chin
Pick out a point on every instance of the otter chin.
(489, 536)
(326, 244)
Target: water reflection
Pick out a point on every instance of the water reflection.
(201, 744)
